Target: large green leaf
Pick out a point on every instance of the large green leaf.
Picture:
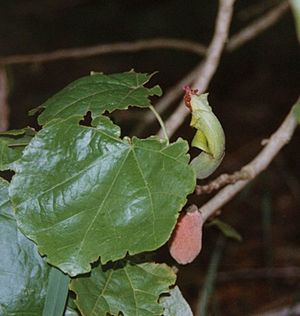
(131, 289)
(23, 273)
(98, 93)
(175, 304)
(12, 144)
(82, 192)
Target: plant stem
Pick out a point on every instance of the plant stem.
(161, 123)
(209, 283)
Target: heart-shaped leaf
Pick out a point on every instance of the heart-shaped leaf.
(82, 192)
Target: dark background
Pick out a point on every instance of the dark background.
(252, 91)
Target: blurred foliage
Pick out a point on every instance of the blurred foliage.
(296, 11)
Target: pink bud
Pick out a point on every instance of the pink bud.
(186, 240)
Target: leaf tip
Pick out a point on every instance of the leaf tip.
(36, 110)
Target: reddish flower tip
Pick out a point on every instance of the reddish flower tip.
(187, 97)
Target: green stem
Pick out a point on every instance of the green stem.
(209, 282)
(161, 123)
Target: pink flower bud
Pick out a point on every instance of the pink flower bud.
(186, 240)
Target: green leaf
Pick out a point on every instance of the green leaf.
(295, 5)
(57, 293)
(7, 154)
(26, 131)
(131, 289)
(23, 273)
(82, 192)
(296, 110)
(175, 304)
(98, 93)
(226, 229)
(12, 144)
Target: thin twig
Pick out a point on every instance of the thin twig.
(121, 47)
(210, 278)
(248, 33)
(170, 96)
(237, 40)
(4, 108)
(258, 26)
(221, 181)
(210, 64)
(175, 92)
(280, 138)
(255, 9)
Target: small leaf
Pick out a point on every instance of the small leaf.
(226, 229)
(82, 192)
(175, 304)
(23, 273)
(133, 289)
(12, 144)
(28, 131)
(7, 154)
(98, 93)
(296, 110)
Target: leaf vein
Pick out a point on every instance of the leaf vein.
(149, 194)
(133, 291)
(101, 206)
(102, 292)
